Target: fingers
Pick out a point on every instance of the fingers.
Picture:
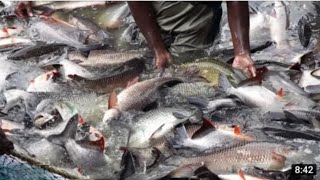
(252, 69)
(24, 10)
(29, 8)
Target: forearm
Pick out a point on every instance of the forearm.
(143, 15)
(238, 17)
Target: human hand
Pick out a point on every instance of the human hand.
(163, 59)
(5, 145)
(245, 63)
(24, 9)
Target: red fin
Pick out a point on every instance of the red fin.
(101, 143)
(207, 126)
(280, 93)
(133, 81)
(241, 174)
(112, 102)
(81, 120)
(237, 130)
(5, 30)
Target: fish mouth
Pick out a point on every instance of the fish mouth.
(43, 120)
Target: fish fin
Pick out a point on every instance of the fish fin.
(101, 143)
(257, 80)
(128, 164)
(112, 101)
(200, 102)
(76, 61)
(241, 174)
(180, 136)
(179, 115)
(295, 66)
(81, 120)
(69, 132)
(157, 133)
(10, 76)
(133, 81)
(280, 93)
(204, 172)
(224, 83)
(236, 130)
(207, 126)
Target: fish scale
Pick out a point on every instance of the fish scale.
(193, 89)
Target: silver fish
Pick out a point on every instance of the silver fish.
(137, 97)
(156, 123)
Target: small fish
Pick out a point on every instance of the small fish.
(279, 23)
(208, 136)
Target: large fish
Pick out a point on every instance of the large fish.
(210, 70)
(255, 96)
(208, 136)
(153, 125)
(137, 97)
(266, 155)
(35, 51)
(279, 81)
(52, 30)
(107, 83)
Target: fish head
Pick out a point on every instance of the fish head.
(110, 114)
(45, 120)
(286, 150)
(45, 82)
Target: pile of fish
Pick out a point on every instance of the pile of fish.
(71, 98)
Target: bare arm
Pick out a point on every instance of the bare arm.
(143, 15)
(238, 17)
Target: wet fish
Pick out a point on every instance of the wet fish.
(35, 51)
(208, 136)
(90, 158)
(279, 23)
(210, 70)
(154, 124)
(255, 96)
(211, 105)
(52, 30)
(107, 83)
(96, 33)
(137, 97)
(9, 31)
(47, 82)
(279, 81)
(266, 155)
(14, 41)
